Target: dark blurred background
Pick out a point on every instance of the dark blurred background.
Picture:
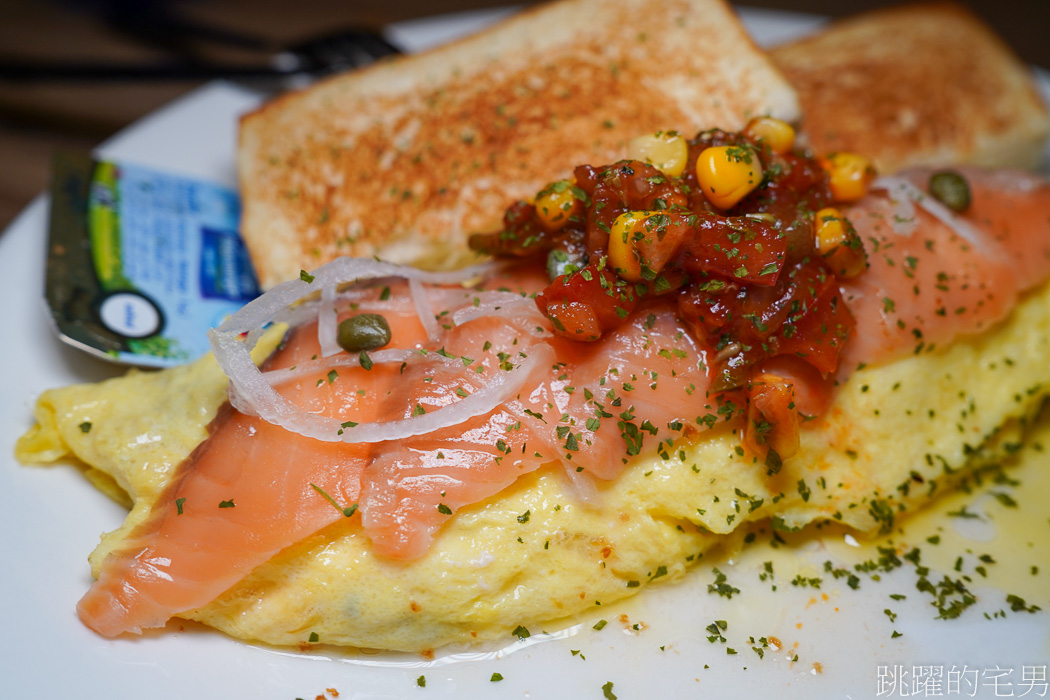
(40, 114)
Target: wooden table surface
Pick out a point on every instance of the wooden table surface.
(39, 117)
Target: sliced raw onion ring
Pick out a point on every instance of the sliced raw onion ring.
(906, 189)
(327, 326)
(252, 392)
(423, 308)
(492, 304)
(903, 201)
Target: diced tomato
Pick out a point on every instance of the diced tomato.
(737, 248)
(586, 303)
(772, 420)
(748, 281)
(821, 332)
(802, 314)
(522, 235)
(629, 185)
(813, 391)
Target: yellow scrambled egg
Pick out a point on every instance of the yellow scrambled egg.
(895, 437)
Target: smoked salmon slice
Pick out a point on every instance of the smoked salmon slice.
(244, 494)
(254, 488)
(935, 275)
(595, 399)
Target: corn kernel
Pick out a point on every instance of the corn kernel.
(667, 151)
(555, 203)
(727, 174)
(850, 175)
(627, 231)
(839, 244)
(777, 134)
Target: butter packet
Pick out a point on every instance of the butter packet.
(142, 263)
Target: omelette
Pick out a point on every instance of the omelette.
(525, 446)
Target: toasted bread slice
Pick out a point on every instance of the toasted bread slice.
(404, 159)
(924, 84)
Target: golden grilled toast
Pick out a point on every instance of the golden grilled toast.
(403, 159)
(923, 84)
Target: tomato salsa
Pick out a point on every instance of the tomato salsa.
(737, 230)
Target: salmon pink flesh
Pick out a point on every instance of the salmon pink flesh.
(476, 389)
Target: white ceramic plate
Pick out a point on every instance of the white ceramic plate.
(50, 518)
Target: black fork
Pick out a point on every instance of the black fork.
(157, 26)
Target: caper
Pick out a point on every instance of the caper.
(363, 332)
(951, 189)
(561, 262)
